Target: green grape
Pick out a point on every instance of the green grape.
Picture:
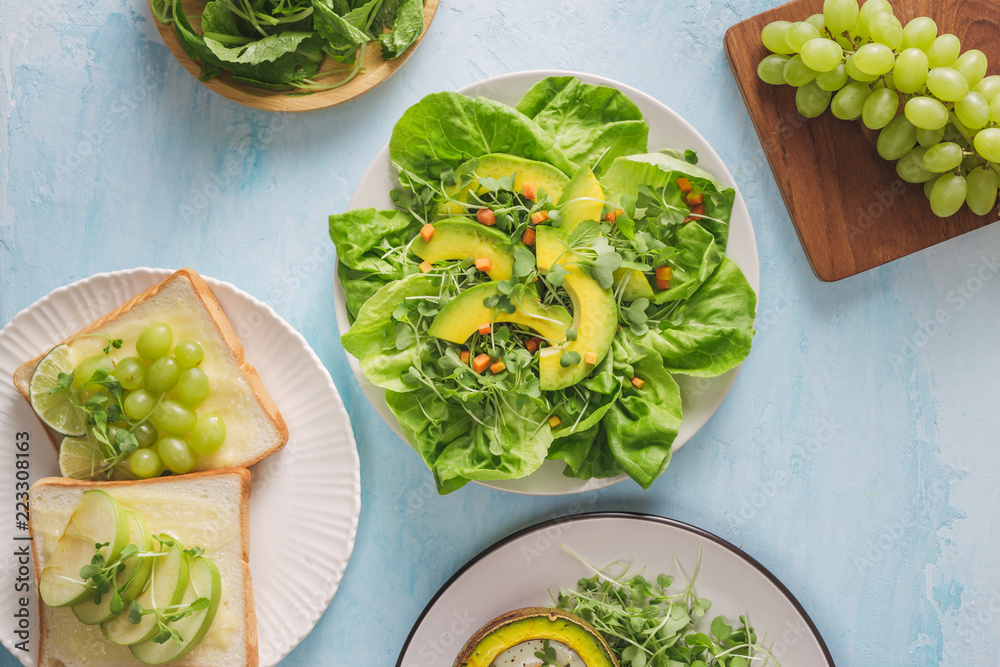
(833, 80)
(192, 386)
(145, 463)
(177, 455)
(868, 11)
(822, 55)
(971, 161)
(897, 138)
(852, 71)
(943, 157)
(155, 341)
(162, 375)
(85, 370)
(850, 101)
(943, 51)
(946, 84)
(948, 195)
(926, 113)
(173, 418)
(773, 37)
(811, 100)
(138, 404)
(797, 73)
(885, 29)
(189, 353)
(880, 108)
(995, 109)
(817, 21)
(987, 143)
(770, 70)
(145, 434)
(929, 186)
(919, 33)
(910, 71)
(982, 195)
(910, 167)
(928, 138)
(131, 373)
(972, 65)
(840, 15)
(208, 434)
(874, 59)
(973, 111)
(799, 33)
(988, 87)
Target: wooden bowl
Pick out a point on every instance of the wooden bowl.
(375, 71)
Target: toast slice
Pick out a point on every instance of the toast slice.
(209, 509)
(254, 426)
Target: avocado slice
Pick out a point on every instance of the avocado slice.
(460, 318)
(498, 165)
(522, 625)
(582, 200)
(595, 314)
(637, 286)
(460, 238)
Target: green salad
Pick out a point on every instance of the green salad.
(540, 284)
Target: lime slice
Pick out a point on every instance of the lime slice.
(58, 411)
(79, 459)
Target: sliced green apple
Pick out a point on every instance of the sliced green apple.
(498, 165)
(459, 238)
(129, 581)
(97, 519)
(466, 313)
(167, 583)
(205, 582)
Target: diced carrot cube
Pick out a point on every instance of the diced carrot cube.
(485, 329)
(529, 237)
(695, 198)
(609, 216)
(531, 344)
(554, 421)
(484, 263)
(662, 285)
(498, 367)
(638, 382)
(540, 217)
(464, 356)
(664, 273)
(590, 358)
(698, 210)
(486, 217)
(481, 363)
(684, 184)
(426, 232)
(528, 190)
(425, 267)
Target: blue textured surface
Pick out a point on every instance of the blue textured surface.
(855, 456)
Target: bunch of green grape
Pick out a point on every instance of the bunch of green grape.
(162, 392)
(935, 109)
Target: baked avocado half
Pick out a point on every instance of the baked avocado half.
(535, 623)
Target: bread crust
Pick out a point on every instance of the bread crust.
(22, 374)
(245, 483)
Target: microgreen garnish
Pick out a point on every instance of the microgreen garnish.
(547, 655)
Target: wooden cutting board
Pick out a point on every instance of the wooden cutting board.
(850, 209)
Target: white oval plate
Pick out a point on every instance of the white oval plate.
(701, 396)
(521, 570)
(305, 500)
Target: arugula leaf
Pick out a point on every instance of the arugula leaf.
(342, 37)
(407, 26)
(276, 59)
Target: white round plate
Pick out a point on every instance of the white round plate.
(521, 571)
(701, 396)
(305, 500)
